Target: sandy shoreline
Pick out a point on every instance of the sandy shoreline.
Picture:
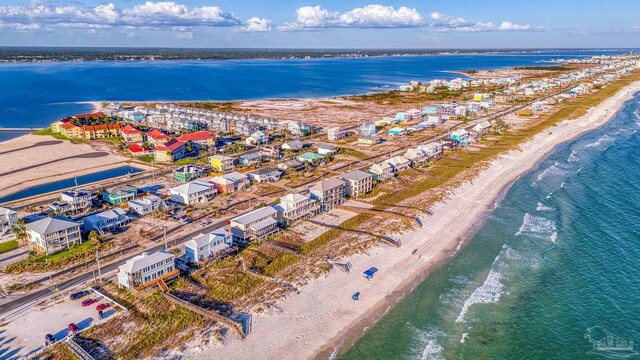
(322, 318)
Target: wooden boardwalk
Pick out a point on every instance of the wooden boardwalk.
(77, 349)
(386, 214)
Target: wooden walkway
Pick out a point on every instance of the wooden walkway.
(159, 280)
(386, 214)
(236, 327)
(77, 349)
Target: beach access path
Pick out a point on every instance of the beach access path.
(320, 319)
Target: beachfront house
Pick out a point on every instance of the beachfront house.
(119, 194)
(398, 163)
(336, 134)
(417, 156)
(295, 145)
(145, 268)
(265, 174)
(53, 234)
(299, 129)
(188, 173)
(357, 183)
(222, 164)
(433, 149)
(146, 205)
(208, 246)
(461, 136)
(294, 207)
(271, 152)
(192, 193)
(73, 202)
(255, 225)
(170, 151)
(105, 221)
(483, 128)
(8, 220)
(329, 193)
(381, 171)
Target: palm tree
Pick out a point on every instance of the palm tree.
(21, 231)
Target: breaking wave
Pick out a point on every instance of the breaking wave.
(543, 207)
(605, 138)
(538, 227)
(430, 349)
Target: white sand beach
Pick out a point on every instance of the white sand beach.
(32, 160)
(322, 317)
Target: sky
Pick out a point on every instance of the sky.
(439, 24)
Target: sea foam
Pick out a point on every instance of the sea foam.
(543, 207)
(537, 226)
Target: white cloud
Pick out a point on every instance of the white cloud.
(446, 23)
(370, 16)
(256, 24)
(166, 15)
(509, 26)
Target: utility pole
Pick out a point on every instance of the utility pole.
(164, 231)
(99, 271)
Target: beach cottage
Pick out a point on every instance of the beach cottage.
(208, 246)
(53, 234)
(145, 268)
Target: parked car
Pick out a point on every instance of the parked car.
(88, 302)
(73, 328)
(50, 338)
(184, 220)
(103, 306)
(78, 295)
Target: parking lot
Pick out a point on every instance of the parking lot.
(25, 334)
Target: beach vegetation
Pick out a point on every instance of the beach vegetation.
(8, 246)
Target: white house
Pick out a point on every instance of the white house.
(53, 234)
(399, 163)
(294, 207)
(145, 268)
(483, 127)
(105, 221)
(208, 246)
(255, 225)
(325, 150)
(192, 193)
(381, 171)
(265, 174)
(329, 193)
(8, 219)
(73, 202)
(146, 205)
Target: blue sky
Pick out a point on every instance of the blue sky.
(322, 24)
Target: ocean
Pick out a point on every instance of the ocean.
(554, 267)
(36, 94)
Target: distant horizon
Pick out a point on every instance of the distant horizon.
(323, 48)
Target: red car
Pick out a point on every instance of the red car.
(88, 302)
(102, 306)
(73, 328)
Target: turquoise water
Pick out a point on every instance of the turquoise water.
(560, 255)
(71, 182)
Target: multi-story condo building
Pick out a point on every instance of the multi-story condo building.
(357, 183)
(145, 268)
(295, 207)
(329, 193)
(255, 225)
(53, 234)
